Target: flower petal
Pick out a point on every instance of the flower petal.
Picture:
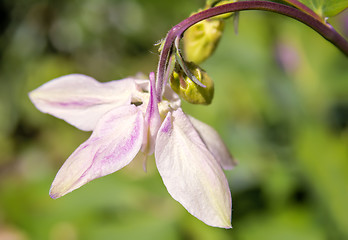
(152, 119)
(113, 144)
(172, 97)
(81, 100)
(190, 172)
(214, 143)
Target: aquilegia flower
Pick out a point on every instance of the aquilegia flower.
(127, 121)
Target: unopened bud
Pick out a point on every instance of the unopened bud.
(189, 90)
(201, 40)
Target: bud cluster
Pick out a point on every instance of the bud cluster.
(187, 79)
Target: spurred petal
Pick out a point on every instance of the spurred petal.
(81, 100)
(214, 143)
(190, 172)
(113, 144)
(152, 119)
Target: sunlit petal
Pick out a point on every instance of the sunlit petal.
(113, 144)
(214, 143)
(190, 172)
(81, 100)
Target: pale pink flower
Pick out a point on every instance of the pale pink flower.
(127, 120)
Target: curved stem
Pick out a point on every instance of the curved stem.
(327, 31)
(304, 8)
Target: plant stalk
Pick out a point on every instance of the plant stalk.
(325, 30)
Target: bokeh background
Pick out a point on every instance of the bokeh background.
(281, 105)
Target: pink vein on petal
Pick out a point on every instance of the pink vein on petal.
(167, 123)
(82, 103)
(119, 151)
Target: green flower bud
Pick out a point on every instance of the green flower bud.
(201, 40)
(189, 90)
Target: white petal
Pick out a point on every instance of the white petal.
(113, 144)
(172, 97)
(190, 172)
(81, 100)
(214, 143)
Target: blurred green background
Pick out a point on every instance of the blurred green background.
(281, 105)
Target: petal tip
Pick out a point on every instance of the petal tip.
(228, 226)
(231, 164)
(54, 195)
(224, 223)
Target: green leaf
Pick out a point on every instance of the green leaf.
(334, 7)
(326, 8)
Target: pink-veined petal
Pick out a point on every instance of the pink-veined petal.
(113, 144)
(190, 172)
(214, 143)
(152, 119)
(81, 100)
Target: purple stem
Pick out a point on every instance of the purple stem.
(304, 8)
(324, 30)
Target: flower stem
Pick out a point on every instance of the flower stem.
(304, 8)
(325, 30)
